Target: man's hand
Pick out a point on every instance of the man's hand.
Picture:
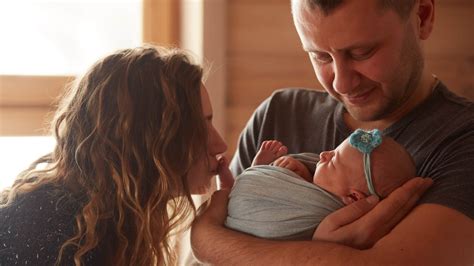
(213, 217)
(364, 222)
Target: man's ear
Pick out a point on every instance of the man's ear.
(353, 196)
(425, 18)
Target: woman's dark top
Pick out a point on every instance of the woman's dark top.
(34, 227)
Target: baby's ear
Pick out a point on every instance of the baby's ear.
(353, 196)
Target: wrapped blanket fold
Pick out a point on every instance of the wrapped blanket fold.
(273, 202)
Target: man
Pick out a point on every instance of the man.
(368, 56)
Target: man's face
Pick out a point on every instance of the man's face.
(368, 58)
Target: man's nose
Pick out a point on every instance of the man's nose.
(346, 79)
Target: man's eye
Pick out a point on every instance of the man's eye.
(321, 57)
(362, 54)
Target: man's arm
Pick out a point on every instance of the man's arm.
(430, 234)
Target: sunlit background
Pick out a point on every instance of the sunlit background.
(17, 153)
(57, 37)
(62, 37)
(251, 52)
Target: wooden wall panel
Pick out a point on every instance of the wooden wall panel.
(31, 90)
(264, 54)
(25, 121)
(27, 103)
(161, 22)
(450, 49)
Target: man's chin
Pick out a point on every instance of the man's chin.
(363, 115)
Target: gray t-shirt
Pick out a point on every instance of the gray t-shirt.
(439, 134)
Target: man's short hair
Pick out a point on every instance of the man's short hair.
(401, 7)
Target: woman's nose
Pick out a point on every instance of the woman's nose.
(217, 143)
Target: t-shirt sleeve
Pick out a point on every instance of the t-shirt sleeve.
(249, 140)
(452, 170)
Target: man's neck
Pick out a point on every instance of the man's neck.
(424, 90)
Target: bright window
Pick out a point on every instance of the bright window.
(18, 153)
(63, 37)
(42, 41)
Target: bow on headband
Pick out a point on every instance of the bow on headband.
(366, 142)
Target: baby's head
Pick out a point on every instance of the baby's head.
(341, 171)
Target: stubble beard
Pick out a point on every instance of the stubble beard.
(403, 86)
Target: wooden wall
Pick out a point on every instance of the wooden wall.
(27, 103)
(264, 54)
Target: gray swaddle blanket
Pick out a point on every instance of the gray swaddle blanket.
(273, 202)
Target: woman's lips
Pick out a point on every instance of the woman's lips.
(214, 168)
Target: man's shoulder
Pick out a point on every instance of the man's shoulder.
(454, 111)
(452, 101)
(300, 99)
(443, 115)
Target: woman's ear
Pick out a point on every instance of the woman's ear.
(425, 14)
(353, 196)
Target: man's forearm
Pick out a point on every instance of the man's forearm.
(429, 235)
(215, 244)
(432, 234)
(240, 249)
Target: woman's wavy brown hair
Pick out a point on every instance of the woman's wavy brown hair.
(127, 133)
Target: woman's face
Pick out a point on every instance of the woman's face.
(200, 175)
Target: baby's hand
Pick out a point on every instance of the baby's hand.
(294, 165)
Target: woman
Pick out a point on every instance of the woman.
(134, 140)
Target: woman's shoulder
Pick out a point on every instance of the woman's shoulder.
(35, 225)
(46, 200)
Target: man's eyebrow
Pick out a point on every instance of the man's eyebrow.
(348, 48)
(358, 46)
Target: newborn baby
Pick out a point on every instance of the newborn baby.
(284, 201)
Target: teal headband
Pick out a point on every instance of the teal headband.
(366, 142)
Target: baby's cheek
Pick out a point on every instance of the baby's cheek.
(318, 179)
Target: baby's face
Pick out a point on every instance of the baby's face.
(339, 170)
